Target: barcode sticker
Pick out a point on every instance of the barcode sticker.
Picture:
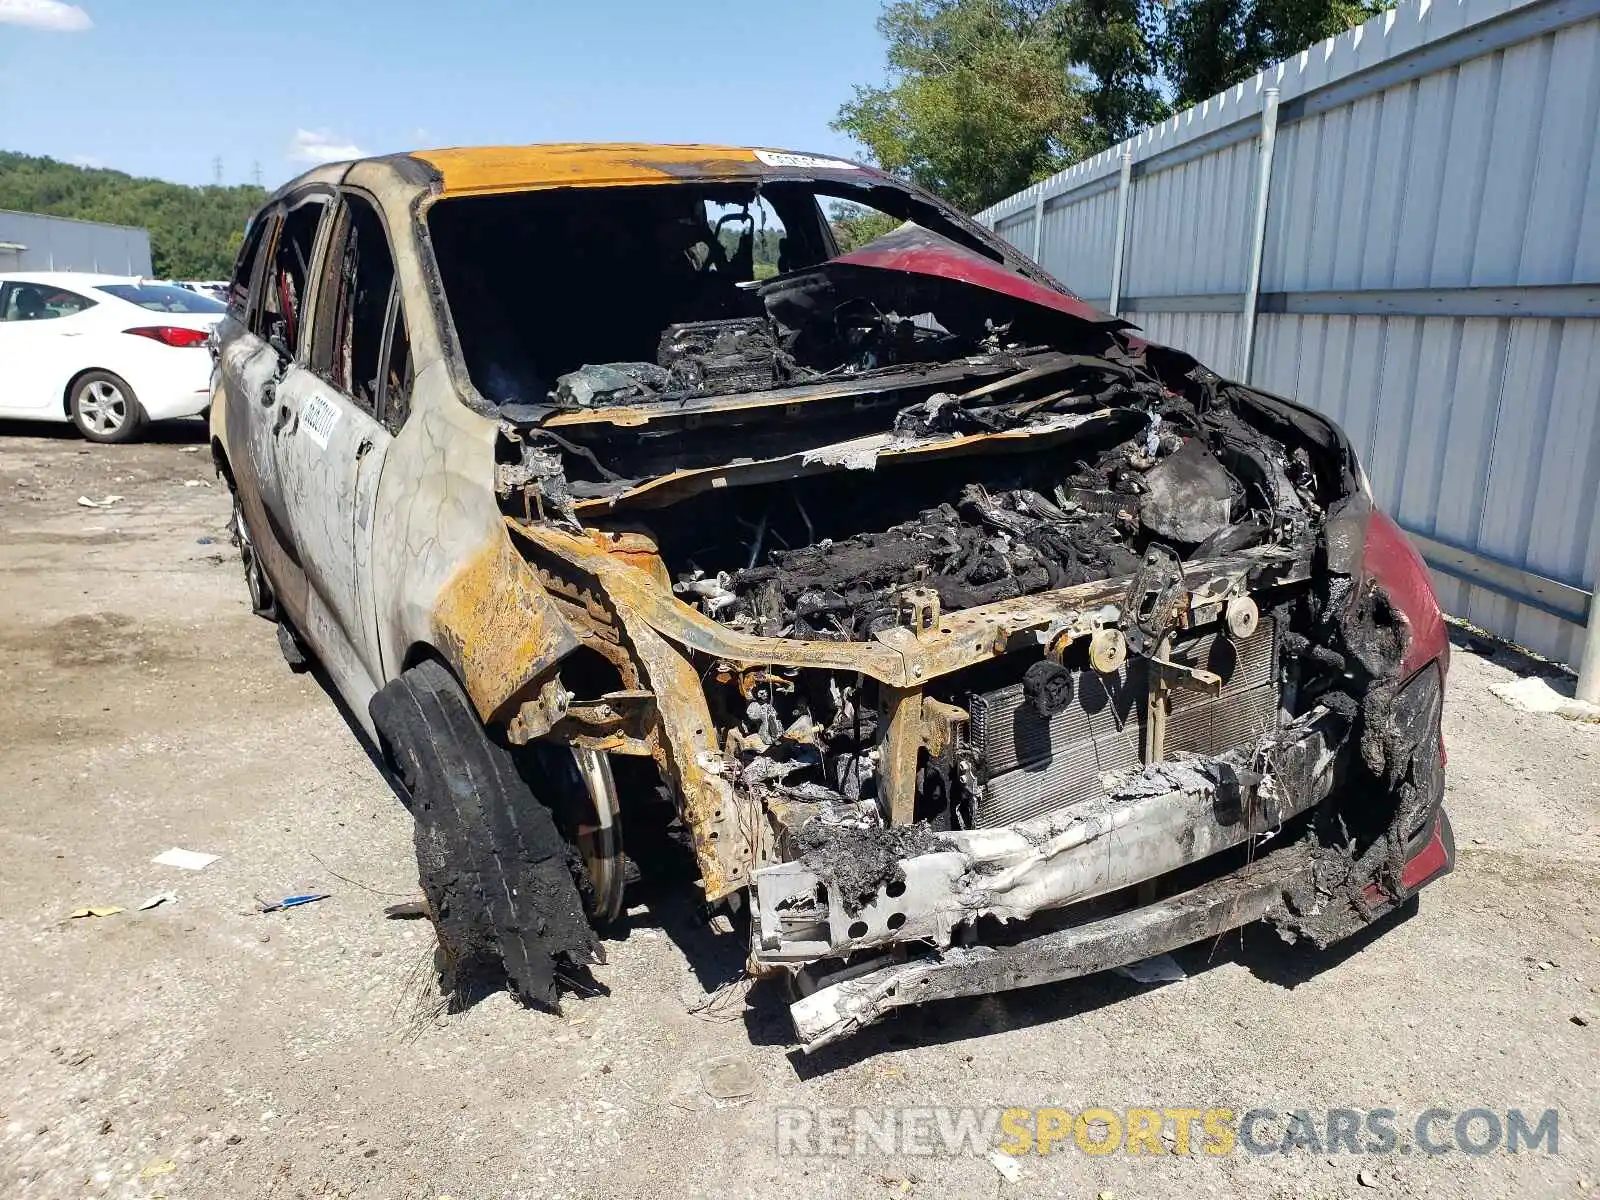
(806, 162)
(318, 416)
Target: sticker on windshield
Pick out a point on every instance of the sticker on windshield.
(807, 162)
(318, 416)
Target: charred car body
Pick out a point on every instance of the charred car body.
(969, 640)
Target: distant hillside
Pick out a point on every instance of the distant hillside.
(194, 231)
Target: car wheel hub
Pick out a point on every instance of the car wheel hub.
(103, 407)
(247, 554)
(599, 835)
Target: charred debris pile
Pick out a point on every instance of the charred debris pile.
(841, 368)
(832, 322)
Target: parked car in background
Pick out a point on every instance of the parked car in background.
(217, 289)
(970, 640)
(109, 353)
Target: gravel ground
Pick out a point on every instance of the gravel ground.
(200, 1049)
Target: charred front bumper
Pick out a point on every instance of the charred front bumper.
(1263, 889)
(993, 776)
(1147, 824)
(1280, 805)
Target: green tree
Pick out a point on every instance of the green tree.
(984, 97)
(194, 231)
(1209, 45)
(1117, 45)
(979, 102)
(855, 226)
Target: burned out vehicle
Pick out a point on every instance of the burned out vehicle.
(968, 640)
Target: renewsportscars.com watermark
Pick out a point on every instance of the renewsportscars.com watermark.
(843, 1132)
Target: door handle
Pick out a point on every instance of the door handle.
(363, 449)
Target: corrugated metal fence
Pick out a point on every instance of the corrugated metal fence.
(1429, 275)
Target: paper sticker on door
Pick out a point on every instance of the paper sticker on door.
(318, 416)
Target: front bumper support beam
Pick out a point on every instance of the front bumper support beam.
(1236, 899)
(1265, 887)
(1169, 816)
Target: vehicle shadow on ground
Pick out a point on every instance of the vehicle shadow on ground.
(314, 670)
(185, 431)
(665, 898)
(1255, 947)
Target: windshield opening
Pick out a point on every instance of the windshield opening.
(666, 290)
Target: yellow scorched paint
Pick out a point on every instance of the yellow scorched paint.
(497, 627)
(481, 169)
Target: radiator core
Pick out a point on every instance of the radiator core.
(1029, 764)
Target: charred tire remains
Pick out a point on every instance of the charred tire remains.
(499, 876)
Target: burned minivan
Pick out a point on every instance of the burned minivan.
(967, 640)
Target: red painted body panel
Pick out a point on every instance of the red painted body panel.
(918, 252)
(1391, 559)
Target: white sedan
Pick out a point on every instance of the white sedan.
(106, 352)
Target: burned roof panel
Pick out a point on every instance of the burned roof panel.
(486, 169)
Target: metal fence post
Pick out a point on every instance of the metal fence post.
(1252, 295)
(1588, 689)
(1124, 188)
(1038, 225)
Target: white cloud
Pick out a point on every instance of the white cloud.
(50, 15)
(85, 160)
(318, 145)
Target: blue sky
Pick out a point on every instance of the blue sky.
(165, 87)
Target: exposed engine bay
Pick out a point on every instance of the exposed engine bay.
(944, 606)
(1002, 539)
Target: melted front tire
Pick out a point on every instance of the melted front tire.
(499, 875)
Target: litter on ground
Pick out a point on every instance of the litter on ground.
(267, 906)
(189, 860)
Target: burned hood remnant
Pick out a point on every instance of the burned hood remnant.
(966, 639)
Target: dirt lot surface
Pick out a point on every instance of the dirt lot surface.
(200, 1049)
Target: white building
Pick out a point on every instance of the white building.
(34, 242)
